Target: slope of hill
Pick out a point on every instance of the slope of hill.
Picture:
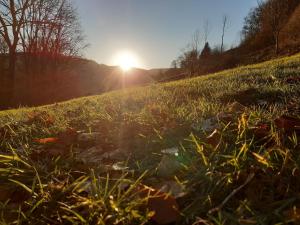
(224, 146)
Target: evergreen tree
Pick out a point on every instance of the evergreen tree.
(206, 51)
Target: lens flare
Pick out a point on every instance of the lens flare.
(126, 60)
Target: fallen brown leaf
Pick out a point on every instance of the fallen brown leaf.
(288, 124)
(164, 206)
(46, 140)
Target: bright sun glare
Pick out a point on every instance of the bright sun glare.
(126, 60)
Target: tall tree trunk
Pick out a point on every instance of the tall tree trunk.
(11, 78)
(277, 44)
(223, 32)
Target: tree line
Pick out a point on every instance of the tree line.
(194, 56)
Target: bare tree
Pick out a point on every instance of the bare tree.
(265, 23)
(189, 61)
(275, 15)
(190, 57)
(3, 52)
(3, 46)
(12, 19)
(252, 23)
(206, 30)
(224, 28)
(174, 64)
(196, 41)
(38, 28)
(53, 31)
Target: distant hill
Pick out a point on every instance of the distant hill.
(76, 78)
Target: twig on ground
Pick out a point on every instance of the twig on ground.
(218, 208)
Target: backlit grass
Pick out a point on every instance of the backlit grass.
(242, 178)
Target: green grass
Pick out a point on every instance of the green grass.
(240, 180)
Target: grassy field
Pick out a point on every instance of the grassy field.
(224, 146)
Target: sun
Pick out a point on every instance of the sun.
(126, 60)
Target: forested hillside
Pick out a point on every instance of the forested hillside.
(271, 30)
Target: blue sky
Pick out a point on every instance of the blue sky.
(155, 30)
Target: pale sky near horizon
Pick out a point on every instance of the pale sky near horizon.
(155, 30)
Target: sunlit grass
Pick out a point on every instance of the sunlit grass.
(241, 179)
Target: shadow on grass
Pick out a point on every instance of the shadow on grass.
(252, 96)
